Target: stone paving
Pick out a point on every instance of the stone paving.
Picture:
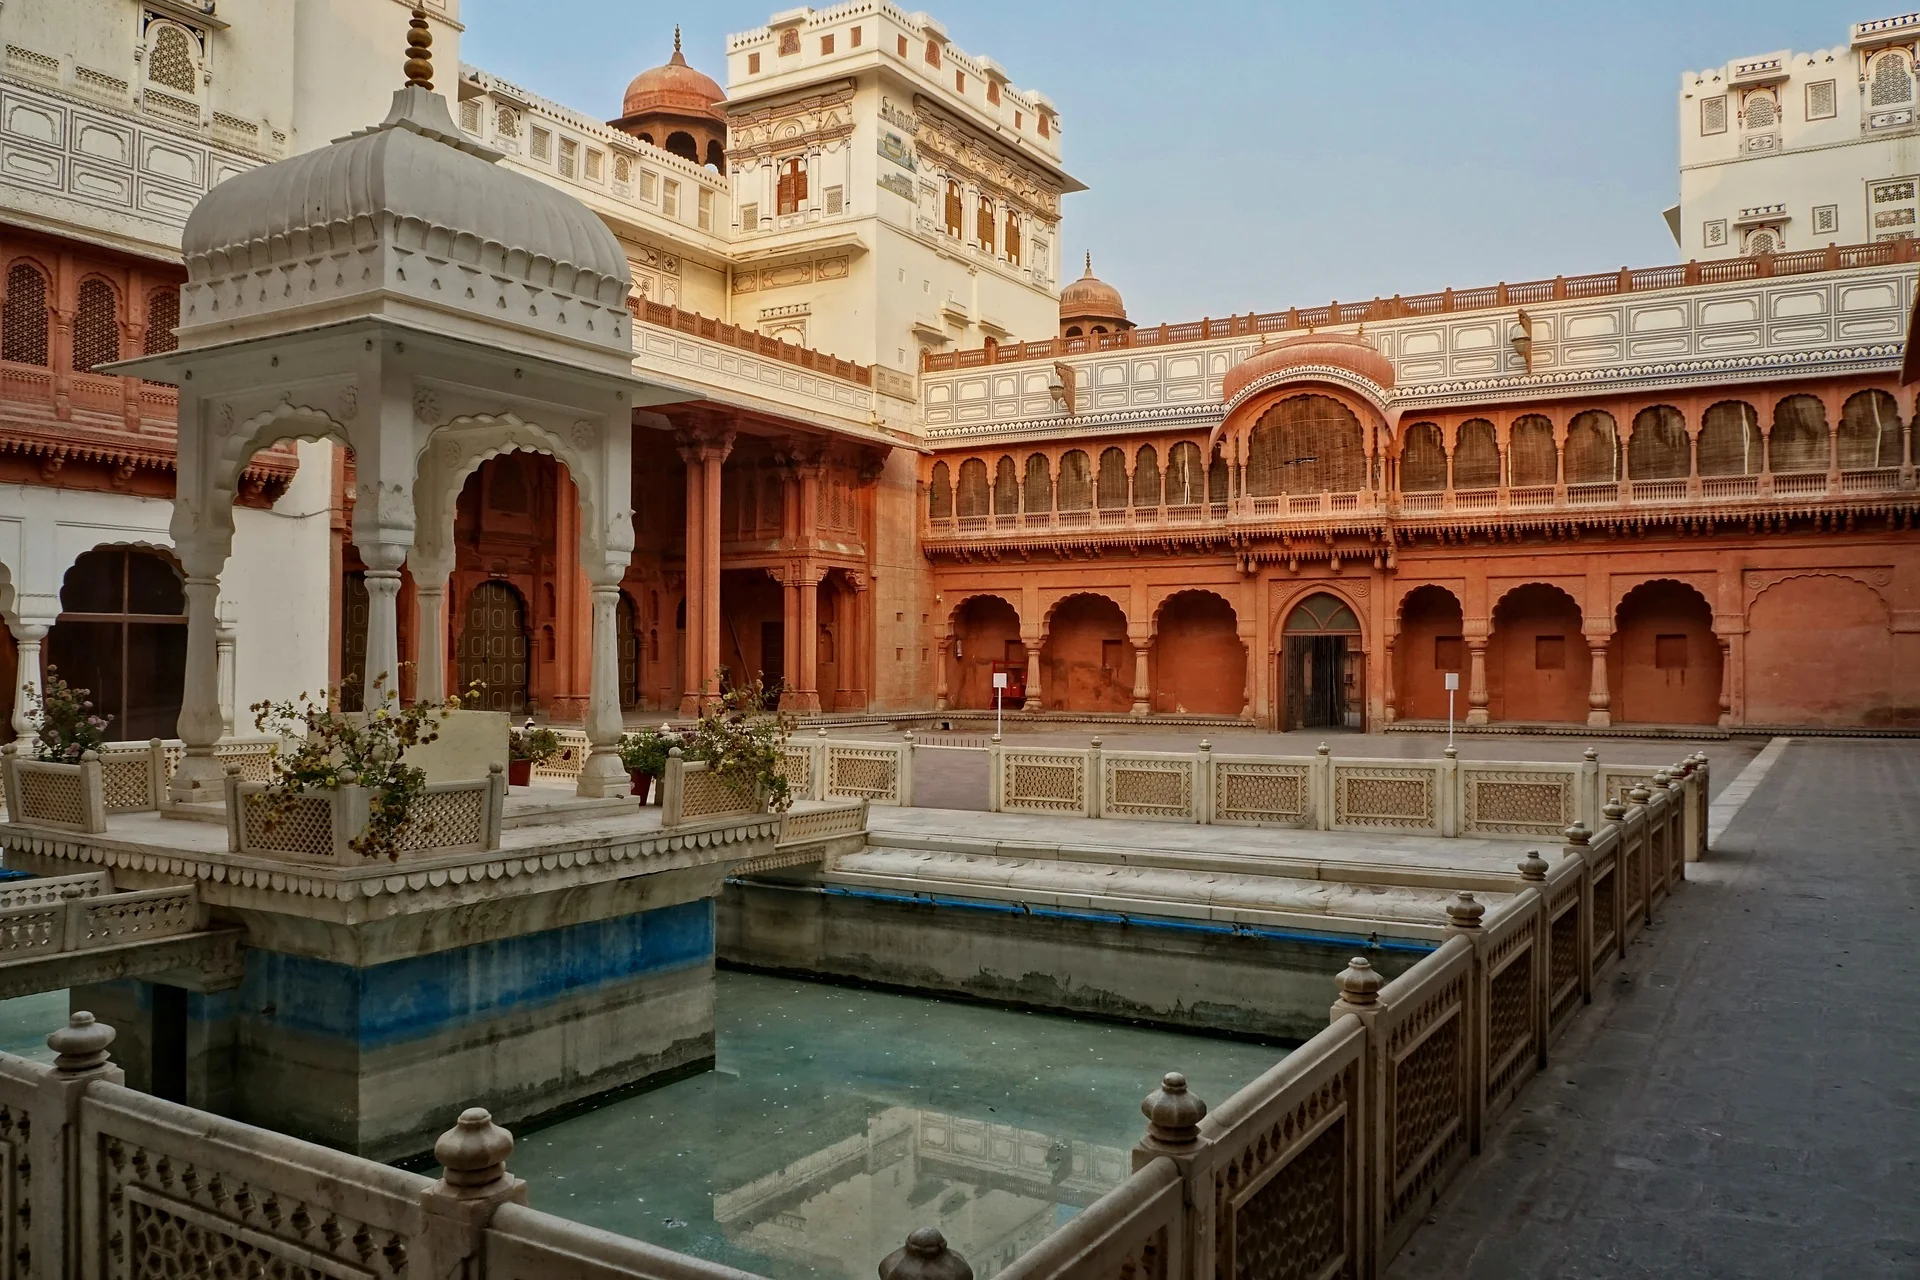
(1743, 1098)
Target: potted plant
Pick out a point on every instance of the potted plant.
(645, 756)
(65, 725)
(527, 748)
(740, 740)
(324, 748)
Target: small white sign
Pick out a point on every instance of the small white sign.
(1453, 681)
(999, 679)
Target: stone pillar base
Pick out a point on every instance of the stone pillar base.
(690, 706)
(200, 778)
(1476, 717)
(603, 775)
(1139, 708)
(1599, 719)
(799, 703)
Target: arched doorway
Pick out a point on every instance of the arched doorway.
(1199, 663)
(1537, 659)
(628, 649)
(493, 647)
(1088, 660)
(1322, 670)
(1430, 645)
(1664, 660)
(122, 635)
(986, 640)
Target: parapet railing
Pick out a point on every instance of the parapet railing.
(1447, 301)
(668, 317)
(1330, 1159)
(319, 826)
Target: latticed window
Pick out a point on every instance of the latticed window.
(1476, 456)
(1113, 480)
(1531, 457)
(1713, 115)
(1657, 450)
(1822, 100)
(506, 123)
(1423, 460)
(1146, 477)
(163, 317)
(23, 322)
(1186, 482)
(1891, 84)
(1012, 240)
(940, 493)
(1037, 493)
(1076, 481)
(1761, 110)
(96, 326)
(971, 500)
(1593, 449)
(1006, 488)
(171, 61)
(1730, 442)
(1799, 436)
(983, 224)
(1306, 444)
(1869, 432)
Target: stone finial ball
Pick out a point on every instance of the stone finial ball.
(1359, 982)
(1577, 833)
(925, 1256)
(1173, 1114)
(82, 1044)
(474, 1152)
(1465, 913)
(1533, 866)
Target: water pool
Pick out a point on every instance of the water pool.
(839, 1119)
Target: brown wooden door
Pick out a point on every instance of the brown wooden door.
(629, 647)
(493, 647)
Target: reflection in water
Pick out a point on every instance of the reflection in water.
(838, 1120)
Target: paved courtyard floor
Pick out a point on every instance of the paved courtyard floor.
(1743, 1098)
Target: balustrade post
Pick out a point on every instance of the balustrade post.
(1464, 915)
(51, 1218)
(1579, 841)
(1322, 780)
(1447, 802)
(1095, 783)
(1589, 797)
(224, 636)
(925, 1256)
(473, 1184)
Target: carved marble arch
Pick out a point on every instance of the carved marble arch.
(202, 525)
(1166, 598)
(456, 449)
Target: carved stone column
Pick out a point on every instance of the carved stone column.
(1599, 716)
(27, 637)
(1726, 681)
(693, 679)
(942, 652)
(1033, 642)
(1476, 681)
(790, 631)
(223, 643)
(1391, 712)
(383, 622)
(1142, 691)
(430, 644)
(807, 650)
(199, 776)
(857, 655)
(713, 455)
(603, 774)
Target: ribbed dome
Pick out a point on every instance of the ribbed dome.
(676, 88)
(412, 194)
(1343, 351)
(1091, 296)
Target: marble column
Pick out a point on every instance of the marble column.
(223, 643)
(693, 679)
(383, 623)
(199, 777)
(1476, 682)
(1142, 691)
(1598, 699)
(430, 645)
(28, 638)
(603, 774)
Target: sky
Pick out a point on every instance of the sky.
(1255, 156)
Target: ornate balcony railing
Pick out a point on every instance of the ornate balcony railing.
(1318, 508)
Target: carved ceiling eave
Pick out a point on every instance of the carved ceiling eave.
(747, 158)
(935, 119)
(948, 141)
(712, 415)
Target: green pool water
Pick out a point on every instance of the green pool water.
(27, 1021)
(838, 1120)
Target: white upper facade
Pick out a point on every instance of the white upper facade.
(1785, 151)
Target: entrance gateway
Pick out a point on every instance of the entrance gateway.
(1322, 676)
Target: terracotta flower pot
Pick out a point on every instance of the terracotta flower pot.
(519, 773)
(641, 780)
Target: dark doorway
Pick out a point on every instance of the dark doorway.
(122, 636)
(1322, 667)
(773, 654)
(169, 1042)
(493, 647)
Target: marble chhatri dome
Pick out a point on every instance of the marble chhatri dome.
(410, 207)
(675, 88)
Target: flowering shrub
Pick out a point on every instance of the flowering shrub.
(537, 745)
(740, 741)
(65, 725)
(646, 751)
(332, 748)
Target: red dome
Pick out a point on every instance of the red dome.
(1090, 297)
(1344, 351)
(675, 89)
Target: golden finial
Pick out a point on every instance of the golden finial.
(676, 37)
(419, 51)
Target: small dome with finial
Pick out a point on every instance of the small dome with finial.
(1091, 305)
(677, 109)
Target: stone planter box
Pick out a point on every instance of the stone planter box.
(68, 796)
(689, 793)
(316, 826)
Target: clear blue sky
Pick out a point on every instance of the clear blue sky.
(1254, 156)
